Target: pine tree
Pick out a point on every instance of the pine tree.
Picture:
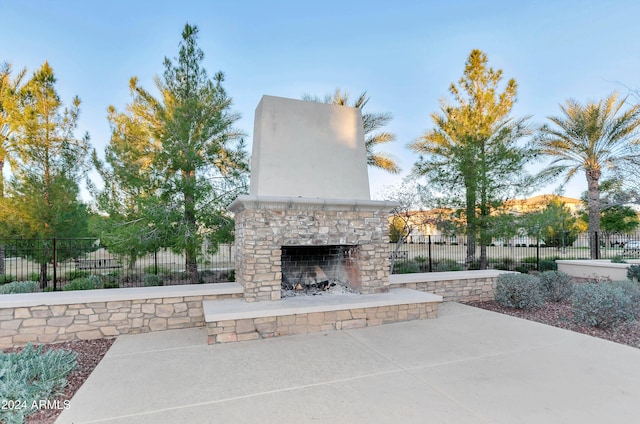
(471, 158)
(177, 159)
(43, 195)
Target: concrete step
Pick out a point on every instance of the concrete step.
(236, 320)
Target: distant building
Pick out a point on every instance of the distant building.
(537, 203)
(446, 225)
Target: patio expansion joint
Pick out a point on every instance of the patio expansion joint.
(144, 352)
(407, 371)
(248, 396)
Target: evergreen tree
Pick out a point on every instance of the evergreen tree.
(554, 225)
(43, 196)
(471, 158)
(8, 94)
(176, 160)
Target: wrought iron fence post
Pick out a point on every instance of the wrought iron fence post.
(155, 262)
(595, 234)
(2, 263)
(429, 249)
(538, 254)
(55, 264)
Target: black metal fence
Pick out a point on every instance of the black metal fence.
(56, 263)
(440, 253)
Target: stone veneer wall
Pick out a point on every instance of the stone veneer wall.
(453, 286)
(93, 320)
(258, 328)
(264, 225)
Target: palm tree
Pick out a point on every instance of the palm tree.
(595, 137)
(8, 90)
(371, 122)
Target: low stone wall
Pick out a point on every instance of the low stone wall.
(594, 269)
(82, 315)
(453, 286)
(265, 327)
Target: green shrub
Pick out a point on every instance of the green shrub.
(114, 274)
(633, 272)
(110, 285)
(75, 274)
(7, 278)
(522, 269)
(548, 265)
(88, 283)
(601, 305)
(520, 291)
(556, 286)
(444, 265)
(32, 375)
(474, 265)
(150, 280)
(506, 263)
(35, 276)
(109, 281)
(529, 260)
(151, 269)
(408, 267)
(19, 287)
(618, 260)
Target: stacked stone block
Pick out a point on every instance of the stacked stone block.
(266, 327)
(84, 321)
(263, 228)
(458, 289)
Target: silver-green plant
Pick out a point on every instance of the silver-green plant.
(30, 376)
(631, 289)
(556, 286)
(520, 291)
(19, 287)
(601, 305)
(91, 282)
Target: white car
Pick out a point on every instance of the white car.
(632, 245)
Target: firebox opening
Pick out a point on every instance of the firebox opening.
(319, 269)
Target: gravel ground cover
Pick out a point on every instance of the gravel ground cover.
(90, 353)
(561, 315)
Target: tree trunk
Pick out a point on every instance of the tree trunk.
(483, 256)
(593, 176)
(43, 275)
(191, 246)
(1, 178)
(471, 226)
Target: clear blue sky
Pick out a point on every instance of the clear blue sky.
(405, 54)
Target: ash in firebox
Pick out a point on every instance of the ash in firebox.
(319, 289)
(311, 282)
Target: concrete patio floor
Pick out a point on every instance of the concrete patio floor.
(467, 366)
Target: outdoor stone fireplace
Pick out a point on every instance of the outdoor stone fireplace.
(308, 216)
(313, 269)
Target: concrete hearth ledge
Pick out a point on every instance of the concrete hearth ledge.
(235, 309)
(400, 279)
(114, 295)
